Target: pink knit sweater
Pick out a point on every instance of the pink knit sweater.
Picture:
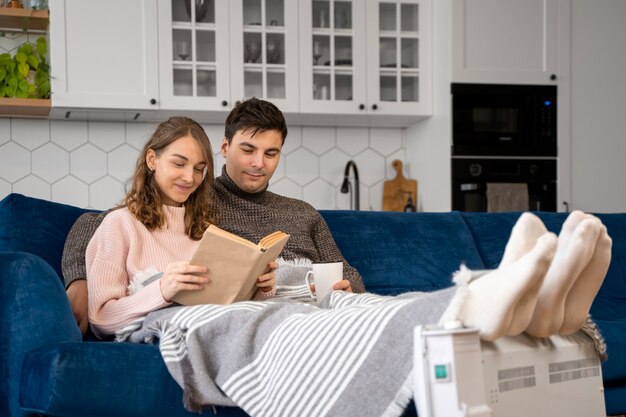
(124, 252)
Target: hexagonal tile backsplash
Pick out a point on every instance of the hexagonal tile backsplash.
(87, 163)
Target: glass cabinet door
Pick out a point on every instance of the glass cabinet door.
(264, 51)
(399, 71)
(332, 56)
(194, 60)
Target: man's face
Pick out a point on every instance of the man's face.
(252, 160)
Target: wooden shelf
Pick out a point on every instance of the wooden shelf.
(25, 107)
(19, 19)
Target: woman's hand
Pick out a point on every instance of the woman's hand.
(267, 281)
(179, 276)
(343, 285)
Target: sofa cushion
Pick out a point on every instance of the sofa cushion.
(399, 252)
(34, 312)
(614, 333)
(37, 226)
(491, 231)
(611, 300)
(123, 379)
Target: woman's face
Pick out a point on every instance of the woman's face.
(178, 170)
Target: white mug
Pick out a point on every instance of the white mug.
(324, 277)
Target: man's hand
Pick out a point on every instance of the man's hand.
(77, 295)
(343, 285)
(267, 281)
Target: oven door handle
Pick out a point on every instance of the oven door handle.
(469, 187)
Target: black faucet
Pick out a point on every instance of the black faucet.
(346, 186)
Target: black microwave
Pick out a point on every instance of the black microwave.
(504, 120)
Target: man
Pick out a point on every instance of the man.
(255, 131)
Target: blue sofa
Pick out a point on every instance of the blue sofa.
(46, 369)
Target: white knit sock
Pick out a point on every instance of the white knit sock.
(574, 251)
(587, 285)
(489, 302)
(524, 235)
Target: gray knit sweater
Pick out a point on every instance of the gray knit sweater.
(250, 215)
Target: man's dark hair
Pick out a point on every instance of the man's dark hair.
(256, 116)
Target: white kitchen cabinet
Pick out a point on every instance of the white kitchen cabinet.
(223, 51)
(264, 51)
(399, 71)
(103, 56)
(194, 72)
(505, 41)
(369, 58)
(343, 62)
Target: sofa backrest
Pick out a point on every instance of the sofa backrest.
(399, 252)
(491, 231)
(394, 252)
(29, 224)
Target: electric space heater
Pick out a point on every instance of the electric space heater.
(458, 375)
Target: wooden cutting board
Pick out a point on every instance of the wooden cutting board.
(396, 191)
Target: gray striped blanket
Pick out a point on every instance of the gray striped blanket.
(347, 355)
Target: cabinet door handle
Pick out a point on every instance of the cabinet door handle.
(224, 103)
(153, 101)
(361, 106)
(374, 106)
(553, 77)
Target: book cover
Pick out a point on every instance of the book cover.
(233, 263)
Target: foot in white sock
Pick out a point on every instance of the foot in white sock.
(491, 299)
(524, 235)
(573, 253)
(587, 285)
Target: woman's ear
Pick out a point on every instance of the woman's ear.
(151, 159)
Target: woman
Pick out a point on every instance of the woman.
(134, 261)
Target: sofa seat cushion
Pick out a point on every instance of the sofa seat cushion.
(103, 379)
(615, 398)
(400, 252)
(614, 333)
(36, 226)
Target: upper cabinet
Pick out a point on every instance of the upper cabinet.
(103, 55)
(330, 62)
(505, 41)
(264, 51)
(219, 52)
(366, 59)
(194, 72)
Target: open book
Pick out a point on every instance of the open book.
(234, 264)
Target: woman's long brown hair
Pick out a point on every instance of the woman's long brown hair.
(144, 199)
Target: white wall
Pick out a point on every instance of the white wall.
(598, 126)
(88, 163)
(428, 142)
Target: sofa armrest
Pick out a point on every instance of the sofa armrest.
(34, 312)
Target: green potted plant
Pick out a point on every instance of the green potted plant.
(27, 73)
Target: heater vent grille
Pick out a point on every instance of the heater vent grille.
(516, 378)
(572, 370)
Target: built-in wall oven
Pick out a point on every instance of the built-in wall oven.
(503, 135)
